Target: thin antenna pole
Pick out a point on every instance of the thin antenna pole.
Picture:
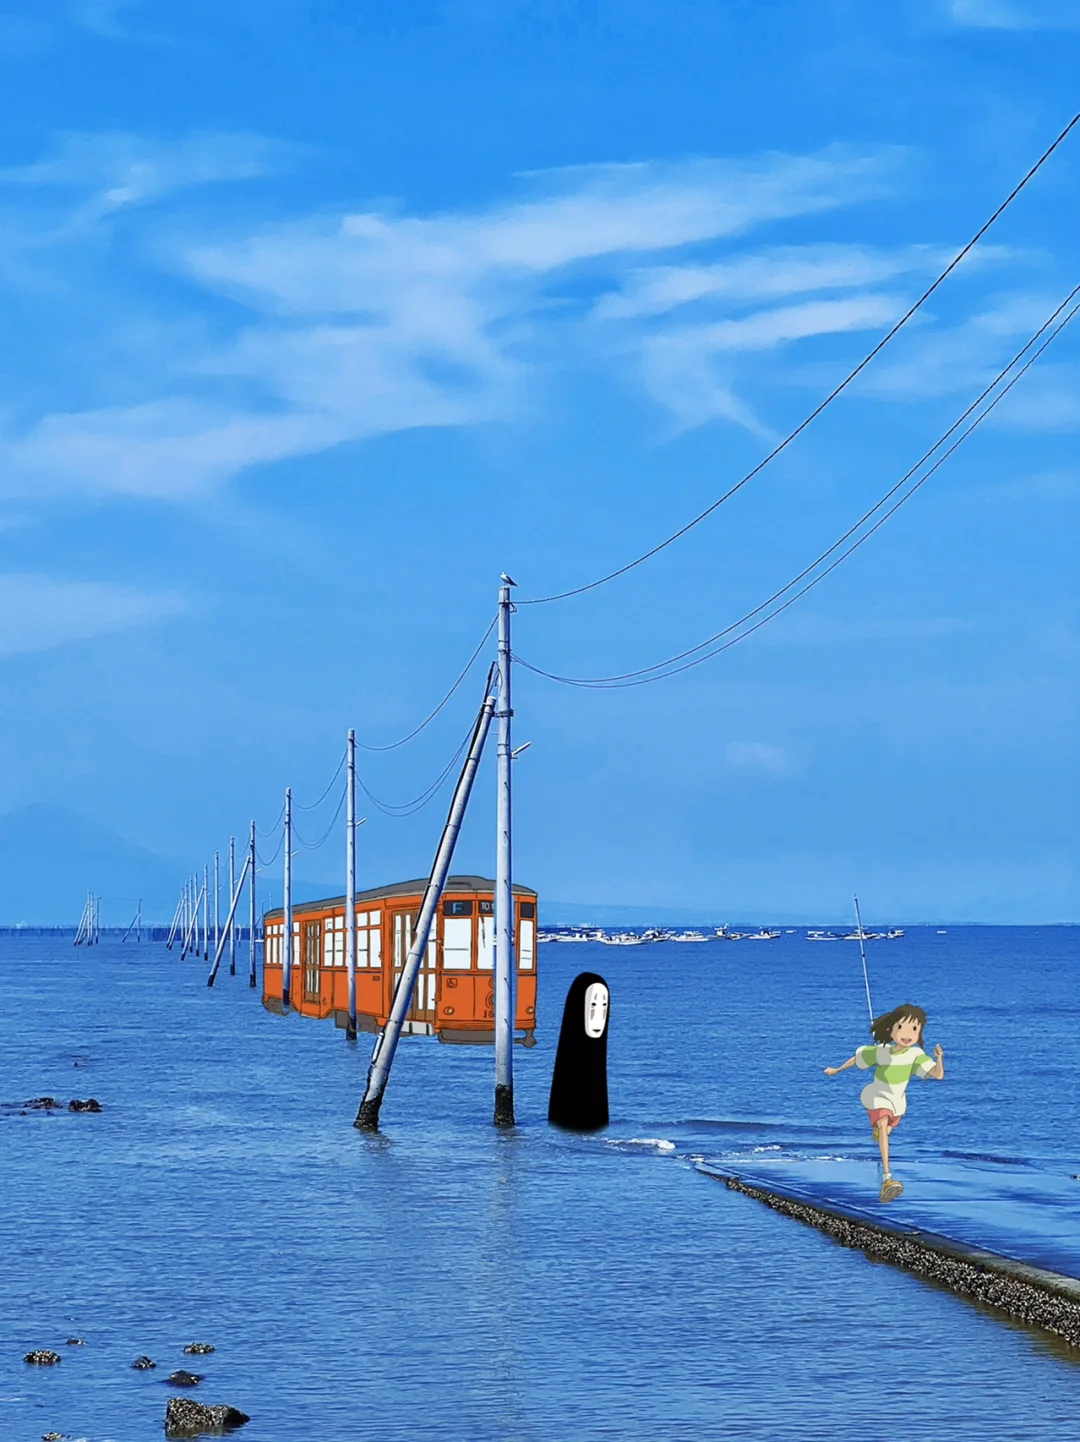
(367, 1118)
(350, 884)
(232, 893)
(504, 889)
(862, 950)
(286, 940)
(251, 897)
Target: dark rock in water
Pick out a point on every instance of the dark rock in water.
(143, 1364)
(198, 1349)
(91, 1104)
(185, 1418)
(185, 1379)
(76, 1342)
(42, 1104)
(42, 1358)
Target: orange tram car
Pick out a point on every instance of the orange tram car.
(454, 998)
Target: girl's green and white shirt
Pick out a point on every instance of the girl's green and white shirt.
(893, 1069)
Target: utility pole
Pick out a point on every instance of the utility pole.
(367, 1118)
(504, 887)
(286, 909)
(350, 883)
(232, 893)
(217, 899)
(251, 897)
(206, 913)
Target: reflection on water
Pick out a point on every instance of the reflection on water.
(446, 1281)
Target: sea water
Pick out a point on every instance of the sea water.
(443, 1280)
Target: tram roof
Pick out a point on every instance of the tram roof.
(415, 887)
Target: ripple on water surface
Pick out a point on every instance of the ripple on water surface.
(445, 1281)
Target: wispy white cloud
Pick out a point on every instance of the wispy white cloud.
(39, 612)
(102, 16)
(756, 756)
(963, 359)
(770, 274)
(378, 322)
(1016, 14)
(688, 370)
(115, 171)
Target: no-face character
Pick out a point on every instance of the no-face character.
(579, 1100)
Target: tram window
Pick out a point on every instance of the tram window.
(528, 908)
(485, 946)
(457, 908)
(526, 944)
(457, 943)
(375, 943)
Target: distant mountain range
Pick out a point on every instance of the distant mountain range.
(51, 856)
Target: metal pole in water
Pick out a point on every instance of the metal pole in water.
(206, 913)
(251, 898)
(286, 908)
(217, 899)
(350, 883)
(367, 1118)
(504, 889)
(232, 890)
(138, 925)
(228, 925)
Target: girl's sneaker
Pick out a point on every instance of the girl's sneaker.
(890, 1189)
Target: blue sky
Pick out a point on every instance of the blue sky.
(318, 315)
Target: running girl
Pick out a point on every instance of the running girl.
(896, 1055)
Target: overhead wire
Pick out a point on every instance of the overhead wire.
(428, 720)
(822, 405)
(410, 808)
(314, 845)
(661, 670)
(300, 805)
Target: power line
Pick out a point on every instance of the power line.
(300, 805)
(843, 385)
(427, 721)
(410, 808)
(664, 669)
(314, 845)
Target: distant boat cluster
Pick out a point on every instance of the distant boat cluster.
(652, 935)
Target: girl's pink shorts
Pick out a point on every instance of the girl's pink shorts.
(883, 1112)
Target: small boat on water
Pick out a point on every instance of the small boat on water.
(624, 938)
(687, 936)
(894, 933)
(822, 936)
(763, 935)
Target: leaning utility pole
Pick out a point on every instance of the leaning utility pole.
(286, 909)
(504, 888)
(367, 1118)
(232, 893)
(350, 883)
(217, 899)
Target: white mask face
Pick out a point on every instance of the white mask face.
(596, 1004)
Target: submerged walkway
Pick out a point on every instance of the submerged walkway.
(1000, 1231)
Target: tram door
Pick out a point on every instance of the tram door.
(423, 1002)
(312, 963)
